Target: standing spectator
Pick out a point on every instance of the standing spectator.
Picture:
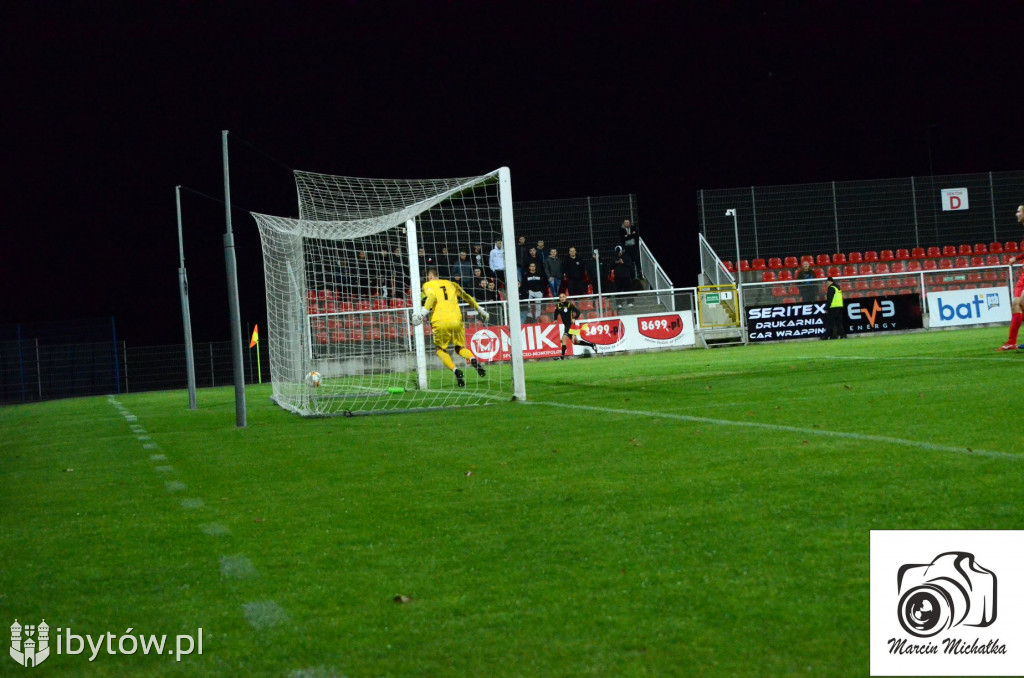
(631, 244)
(808, 290)
(622, 271)
(521, 250)
(593, 267)
(496, 261)
(462, 269)
(1017, 306)
(836, 311)
(478, 256)
(553, 270)
(536, 286)
(532, 257)
(574, 271)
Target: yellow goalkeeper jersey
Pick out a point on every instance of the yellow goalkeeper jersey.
(442, 296)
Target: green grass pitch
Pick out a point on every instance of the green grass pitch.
(673, 514)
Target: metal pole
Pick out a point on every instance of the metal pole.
(992, 202)
(186, 316)
(753, 216)
(913, 196)
(835, 215)
(233, 305)
(739, 275)
(590, 221)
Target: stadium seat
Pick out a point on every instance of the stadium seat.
(887, 255)
(322, 338)
(379, 304)
(871, 256)
(934, 252)
(897, 267)
(855, 257)
(774, 262)
(917, 253)
(992, 260)
(878, 283)
(990, 276)
(893, 283)
(882, 268)
(1011, 246)
(823, 260)
(834, 272)
(964, 249)
(399, 303)
(785, 274)
(758, 265)
(981, 248)
(793, 289)
(946, 263)
(778, 291)
(846, 286)
(744, 265)
(995, 248)
(910, 281)
(977, 261)
(768, 276)
(914, 266)
(585, 304)
(345, 307)
(861, 285)
(849, 270)
(809, 258)
(838, 258)
(1007, 256)
(819, 273)
(929, 265)
(363, 305)
(731, 267)
(974, 277)
(791, 262)
(960, 262)
(865, 269)
(902, 254)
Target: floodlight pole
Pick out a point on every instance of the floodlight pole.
(186, 316)
(739, 276)
(233, 306)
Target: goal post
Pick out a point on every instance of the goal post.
(343, 280)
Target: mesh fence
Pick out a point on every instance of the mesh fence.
(852, 216)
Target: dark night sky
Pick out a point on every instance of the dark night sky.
(109, 106)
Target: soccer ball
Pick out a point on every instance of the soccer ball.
(313, 379)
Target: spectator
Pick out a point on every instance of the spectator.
(808, 288)
(622, 271)
(574, 271)
(536, 287)
(486, 290)
(496, 261)
(631, 244)
(836, 322)
(553, 270)
(521, 251)
(462, 269)
(532, 258)
(478, 256)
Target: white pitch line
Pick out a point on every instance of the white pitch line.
(862, 437)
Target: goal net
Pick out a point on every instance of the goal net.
(343, 281)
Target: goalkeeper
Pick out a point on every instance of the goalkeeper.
(567, 313)
(442, 298)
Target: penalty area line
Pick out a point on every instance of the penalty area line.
(860, 437)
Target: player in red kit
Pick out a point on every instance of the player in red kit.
(1017, 308)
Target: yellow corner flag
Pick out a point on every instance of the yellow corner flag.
(255, 336)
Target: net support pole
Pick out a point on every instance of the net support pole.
(415, 284)
(233, 305)
(186, 316)
(508, 238)
(740, 311)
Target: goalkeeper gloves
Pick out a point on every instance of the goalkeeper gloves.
(484, 315)
(418, 318)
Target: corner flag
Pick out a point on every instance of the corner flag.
(255, 336)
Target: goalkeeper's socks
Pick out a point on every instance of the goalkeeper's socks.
(563, 350)
(1015, 322)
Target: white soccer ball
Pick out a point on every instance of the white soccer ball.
(313, 379)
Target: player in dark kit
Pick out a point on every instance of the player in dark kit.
(567, 313)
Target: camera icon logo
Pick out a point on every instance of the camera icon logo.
(951, 590)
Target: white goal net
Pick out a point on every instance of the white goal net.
(343, 280)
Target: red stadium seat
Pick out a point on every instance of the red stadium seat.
(731, 267)
(882, 268)
(893, 283)
(917, 253)
(961, 262)
(865, 269)
(974, 277)
(1007, 256)
(758, 265)
(823, 260)
(785, 274)
(774, 262)
(878, 283)
(778, 291)
(945, 263)
(819, 273)
(977, 261)
(964, 249)
(936, 252)
(1011, 246)
(995, 248)
(839, 258)
(887, 255)
(768, 276)
(861, 285)
(849, 270)
(992, 260)
(809, 258)
(834, 272)
(898, 267)
(846, 285)
(930, 265)
(990, 276)
(981, 248)
(855, 257)
(871, 256)
(914, 266)
(321, 337)
(791, 262)
(744, 265)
